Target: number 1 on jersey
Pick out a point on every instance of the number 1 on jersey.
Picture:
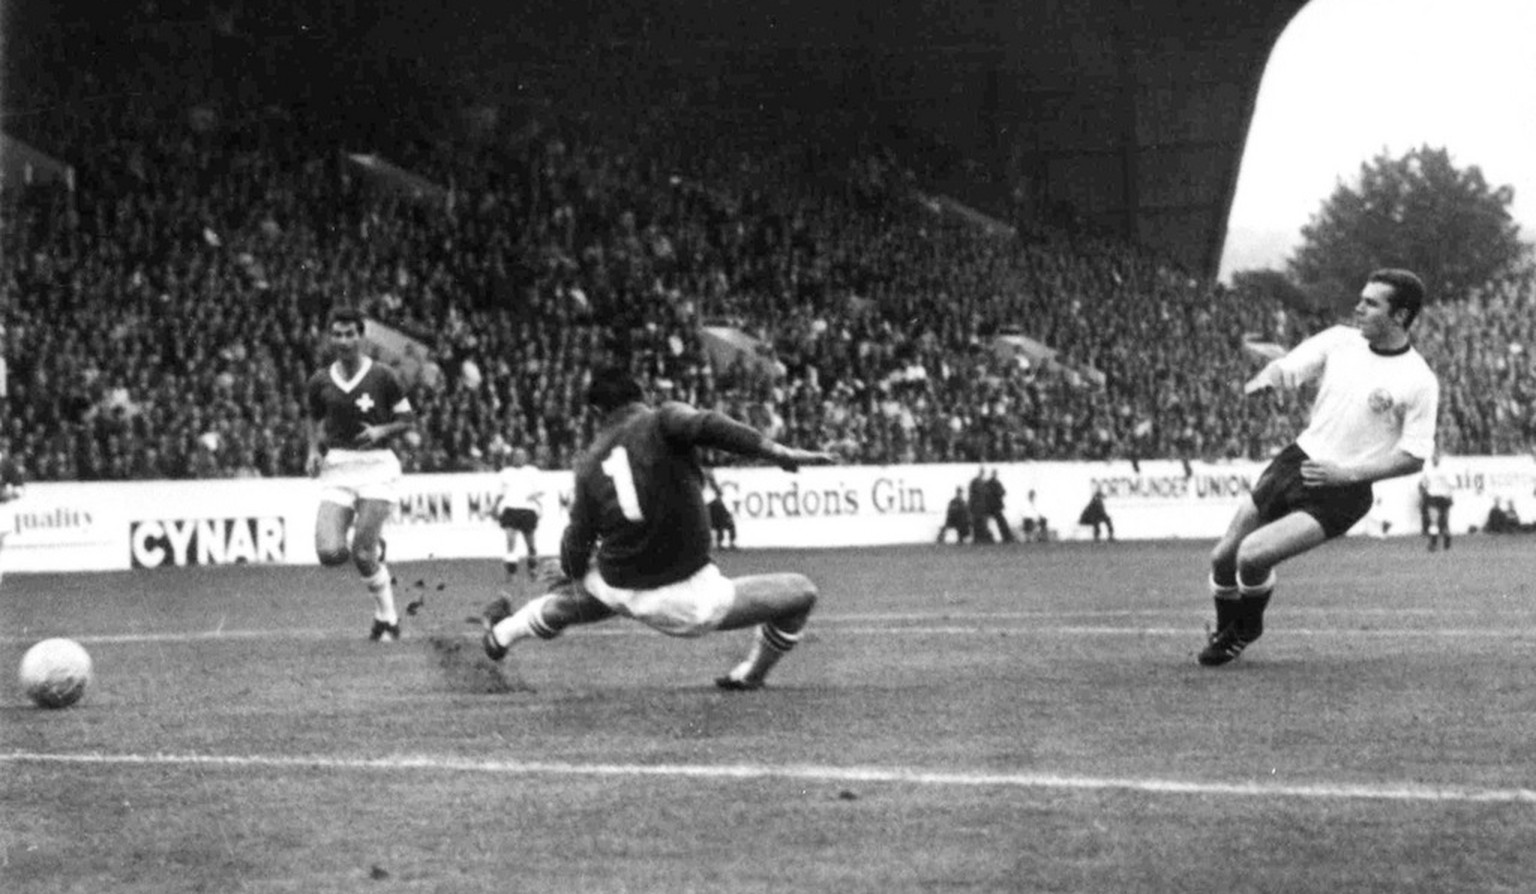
(616, 467)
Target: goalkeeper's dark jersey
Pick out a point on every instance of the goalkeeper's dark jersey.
(639, 497)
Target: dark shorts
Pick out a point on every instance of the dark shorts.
(525, 521)
(1093, 514)
(1281, 491)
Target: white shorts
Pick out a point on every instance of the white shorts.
(691, 607)
(347, 476)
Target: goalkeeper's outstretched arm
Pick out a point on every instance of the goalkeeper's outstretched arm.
(724, 433)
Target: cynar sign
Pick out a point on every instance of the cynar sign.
(207, 541)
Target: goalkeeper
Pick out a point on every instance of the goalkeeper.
(639, 505)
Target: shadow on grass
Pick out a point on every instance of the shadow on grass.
(467, 670)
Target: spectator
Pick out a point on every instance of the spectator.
(721, 522)
(1096, 516)
(957, 518)
(976, 502)
(995, 502)
(1436, 487)
(1034, 524)
(1500, 519)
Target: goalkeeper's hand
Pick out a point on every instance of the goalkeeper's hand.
(790, 459)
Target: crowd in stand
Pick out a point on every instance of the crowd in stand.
(162, 317)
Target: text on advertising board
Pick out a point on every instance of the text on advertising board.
(207, 541)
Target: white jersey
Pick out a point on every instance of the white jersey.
(520, 488)
(1437, 483)
(1368, 405)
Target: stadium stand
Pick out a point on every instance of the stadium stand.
(161, 315)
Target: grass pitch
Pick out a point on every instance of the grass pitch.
(1005, 718)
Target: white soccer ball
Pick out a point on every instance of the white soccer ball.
(55, 672)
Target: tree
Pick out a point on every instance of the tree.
(1420, 212)
(1274, 287)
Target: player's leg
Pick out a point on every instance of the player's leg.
(1257, 555)
(531, 560)
(1223, 579)
(779, 605)
(371, 516)
(565, 604)
(509, 558)
(332, 520)
(1260, 552)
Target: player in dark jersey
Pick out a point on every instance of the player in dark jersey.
(355, 407)
(638, 542)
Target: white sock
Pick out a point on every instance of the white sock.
(768, 646)
(383, 592)
(1262, 588)
(526, 622)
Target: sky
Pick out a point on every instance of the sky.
(1351, 78)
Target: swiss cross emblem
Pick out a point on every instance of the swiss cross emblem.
(365, 403)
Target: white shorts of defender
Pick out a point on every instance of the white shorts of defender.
(347, 476)
(691, 607)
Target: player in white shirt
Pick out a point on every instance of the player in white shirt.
(1373, 419)
(517, 509)
(1436, 487)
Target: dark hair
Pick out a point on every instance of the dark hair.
(613, 387)
(1407, 291)
(345, 313)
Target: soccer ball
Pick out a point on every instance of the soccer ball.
(55, 672)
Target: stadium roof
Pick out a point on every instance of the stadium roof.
(1129, 114)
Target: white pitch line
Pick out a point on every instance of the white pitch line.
(812, 773)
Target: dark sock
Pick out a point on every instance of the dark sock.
(1227, 612)
(1254, 599)
(1251, 620)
